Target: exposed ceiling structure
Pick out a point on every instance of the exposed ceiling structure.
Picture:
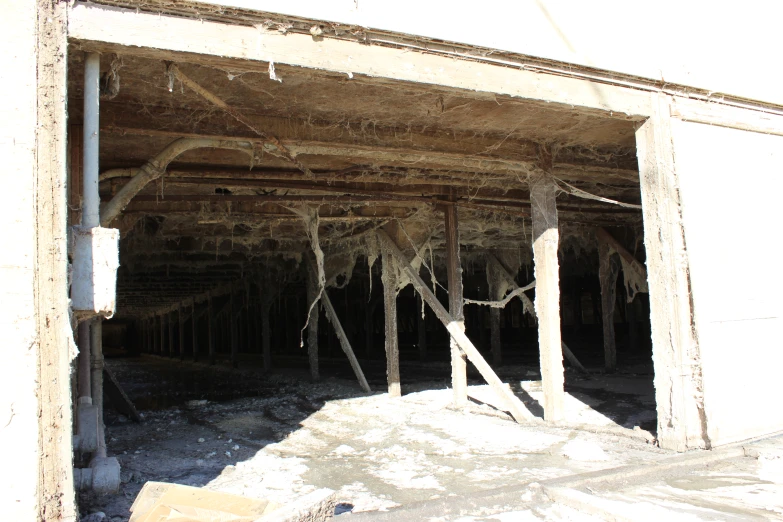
(360, 150)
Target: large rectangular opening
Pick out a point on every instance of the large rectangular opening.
(276, 165)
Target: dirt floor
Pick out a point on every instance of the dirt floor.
(287, 436)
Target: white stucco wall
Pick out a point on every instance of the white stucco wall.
(731, 183)
(18, 403)
(718, 47)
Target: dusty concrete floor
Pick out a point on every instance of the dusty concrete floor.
(415, 453)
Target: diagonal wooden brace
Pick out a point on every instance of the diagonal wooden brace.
(515, 407)
(331, 315)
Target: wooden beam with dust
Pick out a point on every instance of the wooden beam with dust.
(543, 191)
(199, 41)
(459, 366)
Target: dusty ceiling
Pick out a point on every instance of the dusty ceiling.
(378, 150)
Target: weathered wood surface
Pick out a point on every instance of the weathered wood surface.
(528, 305)
(547, 304)
(391, 338)
(762, 120)
(608, 270)
(515, 407)
(345, 344)
(676, 352)
(174, 38)
(459, 367)
(312, 325)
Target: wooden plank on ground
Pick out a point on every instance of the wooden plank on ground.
(158, 502)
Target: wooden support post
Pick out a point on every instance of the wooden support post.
(143, 327)
(391, 339)
(233, 327)
(266, 291)
(527, 304)
(346, 346)
(159, 335)
(150, 334)
(515, 407)
(170, 319)
(495, 294)
(246, 330)
(421, 328)
(459, 367)
(210, 331)
(266, 334)
(545, 243)
(608, 269)
(368, 329)
(194, 331)
(181, 317)
(312, 327)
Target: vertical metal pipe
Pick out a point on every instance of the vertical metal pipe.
(85, 388)
(96, 344)
(91, 205)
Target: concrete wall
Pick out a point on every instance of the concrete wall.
(18, 372)
(722, 49)
(730, 184)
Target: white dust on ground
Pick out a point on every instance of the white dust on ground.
(379, 452)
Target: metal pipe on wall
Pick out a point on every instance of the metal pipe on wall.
(91, 203)
(85, 381)
(96, 342)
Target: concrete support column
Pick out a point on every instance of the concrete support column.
(210, 330)
(545, 243)
(459, 366)
(391, 338)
